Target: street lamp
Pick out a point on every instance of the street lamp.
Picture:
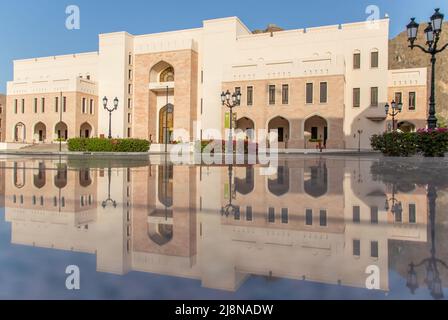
(396, 110)
(432, 32)
(110, 110)
(231, 101)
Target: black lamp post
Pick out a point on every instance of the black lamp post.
(231, 101)
(109, 199)
(432, 31)
(230, 208)
(432, 263)
(393, 110)
(115, 107)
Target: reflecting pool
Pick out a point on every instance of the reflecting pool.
(318, 228)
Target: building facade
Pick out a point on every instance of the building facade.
(2, 117)
(327, 84)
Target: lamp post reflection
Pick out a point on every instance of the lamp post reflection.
(394, 205)
(432, 279)
(230, 208)
(109, 199)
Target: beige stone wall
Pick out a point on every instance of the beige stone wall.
(2, 117)
(297, 111)
(185, 64)
(73, 117)
(419, 116)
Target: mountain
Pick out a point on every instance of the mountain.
(401, 57)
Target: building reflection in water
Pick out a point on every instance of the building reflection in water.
(318, 220)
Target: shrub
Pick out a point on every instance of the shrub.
(106, 145)
(430, 143)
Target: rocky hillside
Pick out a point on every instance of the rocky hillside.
(400, 56)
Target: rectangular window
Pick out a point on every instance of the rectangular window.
(43, 105)
(130, 59)
(412, 213)
(129, 118)
(285, 216)
(356, 97)
(202, 106)
(271, 215)
(249, 216)
(374, 249)
(84, 107)
(374, 215)
(250, 96)
(357, 61)
(129, 133)
(285, 94)
(130, 74)
(56, 104)
(23, 105)
(309, 93)
(129, 88)
(91, 106)
(323, 92)
(15, 105)
(323, 218)
(398, 97)
(64, 104)
(271, 94)
(412, 100)
(374, 97)
(35, 105)
(356, 214)
(357, 248)
(129, 103)
(309, 217)
(374, 62)
(237, 215)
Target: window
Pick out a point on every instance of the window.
(285, 216)
(374, 249)
(129, 118)
(250, 96)
(23, 105)
(271, 94)
(56, 104)
(356, 97)
(15, 106)
(249, 216)
(130, 74)
(129, 133)
(237, 215)
(35, 105)
(412, 213)
(309, 217)
(323, 92)
(64, 104)
(309, 93)
(412, 100)
(357, 248)
(285, 94)
(357, 61)
(129, 88)
(374, 215)
(91, 106)
(130, 59)
(398, 97)
(374, 59)
(323, 218)
(84, 107)
(88, 77)
(271, 215)
(356, 214)
(43, 105)
(202, 105)
(129, 103)
(167, 75)
(374, 97)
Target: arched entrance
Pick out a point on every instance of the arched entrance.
(19, 132)
(61, 131)
(40, 132)
(166, 124)
(406, 127)
(85, 130)
(162, 72)
(247, 126)
(281, 125)
(315, 131)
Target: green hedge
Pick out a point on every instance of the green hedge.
(430, 143)
(106, 145)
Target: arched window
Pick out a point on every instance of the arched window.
(167, 75)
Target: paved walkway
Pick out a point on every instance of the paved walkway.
(54, 147)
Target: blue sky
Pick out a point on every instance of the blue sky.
(34, 28)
